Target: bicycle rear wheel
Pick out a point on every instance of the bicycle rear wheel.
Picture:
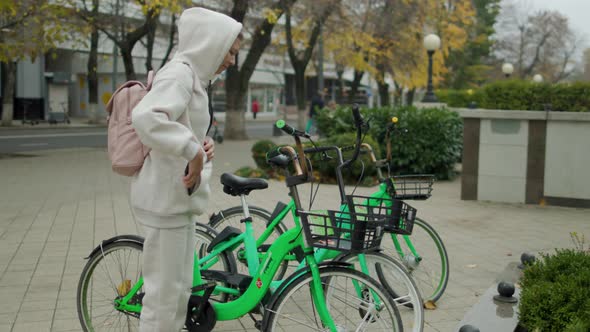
(354, 300)
(396, 280)
(109, 275)
(429, 267)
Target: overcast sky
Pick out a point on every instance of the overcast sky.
(577, 11)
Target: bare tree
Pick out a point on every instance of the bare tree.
(537, 42)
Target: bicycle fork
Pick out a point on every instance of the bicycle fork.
(317, 293)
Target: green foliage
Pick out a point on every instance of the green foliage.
(259, 150)
(249, 172)
(556, 293)
(460, 98)
(362, 167)
(467, 63)
(522, 95)
(433, 143)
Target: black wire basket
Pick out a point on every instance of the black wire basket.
(397, 216)
(411, 187)
(341, 231)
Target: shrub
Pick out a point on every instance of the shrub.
(363, 166)
(432, 145)
(522, 95)
(249, 172)
(259, 150)
(460, 98)
(556, 293)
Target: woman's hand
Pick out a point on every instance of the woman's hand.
(193, 179)
(209, 146)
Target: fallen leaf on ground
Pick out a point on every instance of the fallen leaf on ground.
(429, 305)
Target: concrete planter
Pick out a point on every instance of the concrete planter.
(532, 157)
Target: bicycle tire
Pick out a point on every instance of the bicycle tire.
(430, 274)
(113, 316)
(93, 262)
(232, 217)
(395, 278)
(341, 317)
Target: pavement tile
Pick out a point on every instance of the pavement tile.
(33, 305)
(34, 316)
(32, 326)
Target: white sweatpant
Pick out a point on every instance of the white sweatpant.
(167, 276)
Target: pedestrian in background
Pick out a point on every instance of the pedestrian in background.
(255, 107)
(317, 103)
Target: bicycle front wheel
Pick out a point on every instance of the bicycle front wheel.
(397, 281)
(355, 302)
(428, 262)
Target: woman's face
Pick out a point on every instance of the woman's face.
(230, 57)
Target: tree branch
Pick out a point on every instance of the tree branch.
(170, 41)
(530, 68)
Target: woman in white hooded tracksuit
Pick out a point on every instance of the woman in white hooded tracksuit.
(172, 119)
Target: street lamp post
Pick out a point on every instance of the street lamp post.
(431, 43)
(507, 69)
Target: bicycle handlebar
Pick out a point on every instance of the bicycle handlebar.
(301, 166)
(282, 125)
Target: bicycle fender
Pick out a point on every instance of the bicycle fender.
(128, 237)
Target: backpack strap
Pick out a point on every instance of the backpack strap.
(150, 79)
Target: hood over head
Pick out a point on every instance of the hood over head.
(204, 38)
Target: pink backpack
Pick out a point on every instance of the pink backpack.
(126, 151)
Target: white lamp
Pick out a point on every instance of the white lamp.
(507, 69)
(431, 42)
(537, 78)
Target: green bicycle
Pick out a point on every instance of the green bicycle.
(423, 253)
(326, 296)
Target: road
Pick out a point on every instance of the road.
(14, 141)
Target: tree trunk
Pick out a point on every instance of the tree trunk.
(93, 77)
(151, 37)
(340, 90)
(301, 98)
(235, 121)
(383, 93)
(128, 62)
(237, 81)
(410, 97)
(9, 71)
(397, 101)
(354, 87)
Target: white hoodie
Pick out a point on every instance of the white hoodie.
(172, 119)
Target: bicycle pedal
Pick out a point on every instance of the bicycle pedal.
(205, 286)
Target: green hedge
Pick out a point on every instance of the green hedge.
(556, 293)
(522, 95)
(433, 143)
(460, 98)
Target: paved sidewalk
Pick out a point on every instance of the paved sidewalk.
(55, 206)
